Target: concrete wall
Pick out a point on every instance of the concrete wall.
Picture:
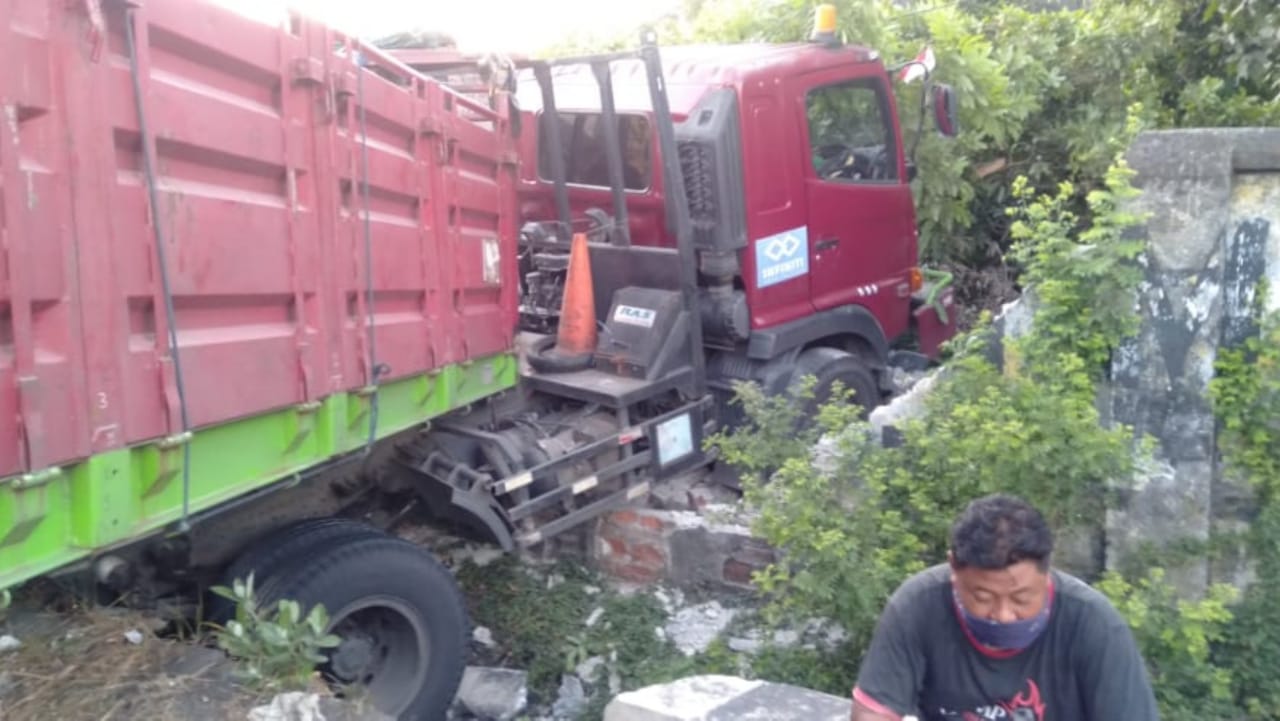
(1214, 233)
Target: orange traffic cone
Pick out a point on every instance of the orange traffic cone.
(576, 336)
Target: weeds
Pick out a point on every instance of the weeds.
(541, 626)
(274, 651)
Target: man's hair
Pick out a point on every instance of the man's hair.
(998, 531)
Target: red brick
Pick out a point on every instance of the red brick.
(623, 518)
(758, 555)
(648, 555)
(738, 572)
(617, 546)
(651, 523)
(637, 574)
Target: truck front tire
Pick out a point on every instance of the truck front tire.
(829, 366)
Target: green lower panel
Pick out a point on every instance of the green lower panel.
(60, 515)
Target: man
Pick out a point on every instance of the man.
(996, 634)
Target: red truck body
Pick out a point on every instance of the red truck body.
(259, 170)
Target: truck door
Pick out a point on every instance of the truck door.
(861, 218)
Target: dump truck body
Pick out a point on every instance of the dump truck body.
(290, 285)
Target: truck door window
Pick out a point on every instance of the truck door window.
(848, 133)
(585, 163)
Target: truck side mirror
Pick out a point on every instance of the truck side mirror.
(945, 111)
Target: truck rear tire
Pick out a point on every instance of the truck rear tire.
(831, 365)
(281, 547)
(400, 614)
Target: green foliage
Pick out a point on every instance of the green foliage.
(1176, 637)
(1246, 395)
(821, 670)
(275, 651)
(1084, 280)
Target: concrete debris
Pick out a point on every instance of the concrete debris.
(907, 406)
(480, 556)
(333, 709)
(9, 643)
(694, 629)
(671, 600)
(494, 693)
(572, 699)
(588, 669)
(786, 638)
(689, 493)
(7, 685)
(829, 634)
(293, 706)
(904, 380)
(483, 636)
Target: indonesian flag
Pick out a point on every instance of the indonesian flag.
(924, 64)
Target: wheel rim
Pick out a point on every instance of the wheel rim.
(385, 651)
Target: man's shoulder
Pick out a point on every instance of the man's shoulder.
(921, 588)
(1080, 600)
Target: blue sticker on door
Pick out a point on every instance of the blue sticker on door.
(782, 257)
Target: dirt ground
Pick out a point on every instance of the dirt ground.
(109, 664)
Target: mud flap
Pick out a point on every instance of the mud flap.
(476, 510)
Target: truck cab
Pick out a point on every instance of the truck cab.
(798, 189)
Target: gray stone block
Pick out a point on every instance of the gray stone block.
(726, 698)
(493, 693)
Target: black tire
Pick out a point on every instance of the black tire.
(280, 548)
(831, 365)
(544, 358)
(402, 613)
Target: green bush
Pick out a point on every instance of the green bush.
(1177, 637)
(1246, 395)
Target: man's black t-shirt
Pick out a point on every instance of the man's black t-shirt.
(1084, 667)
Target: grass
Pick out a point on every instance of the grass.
(80, 665)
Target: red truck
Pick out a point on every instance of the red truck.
(258, 283)
(797, 186)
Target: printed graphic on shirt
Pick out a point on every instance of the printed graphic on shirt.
(1026, 706)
